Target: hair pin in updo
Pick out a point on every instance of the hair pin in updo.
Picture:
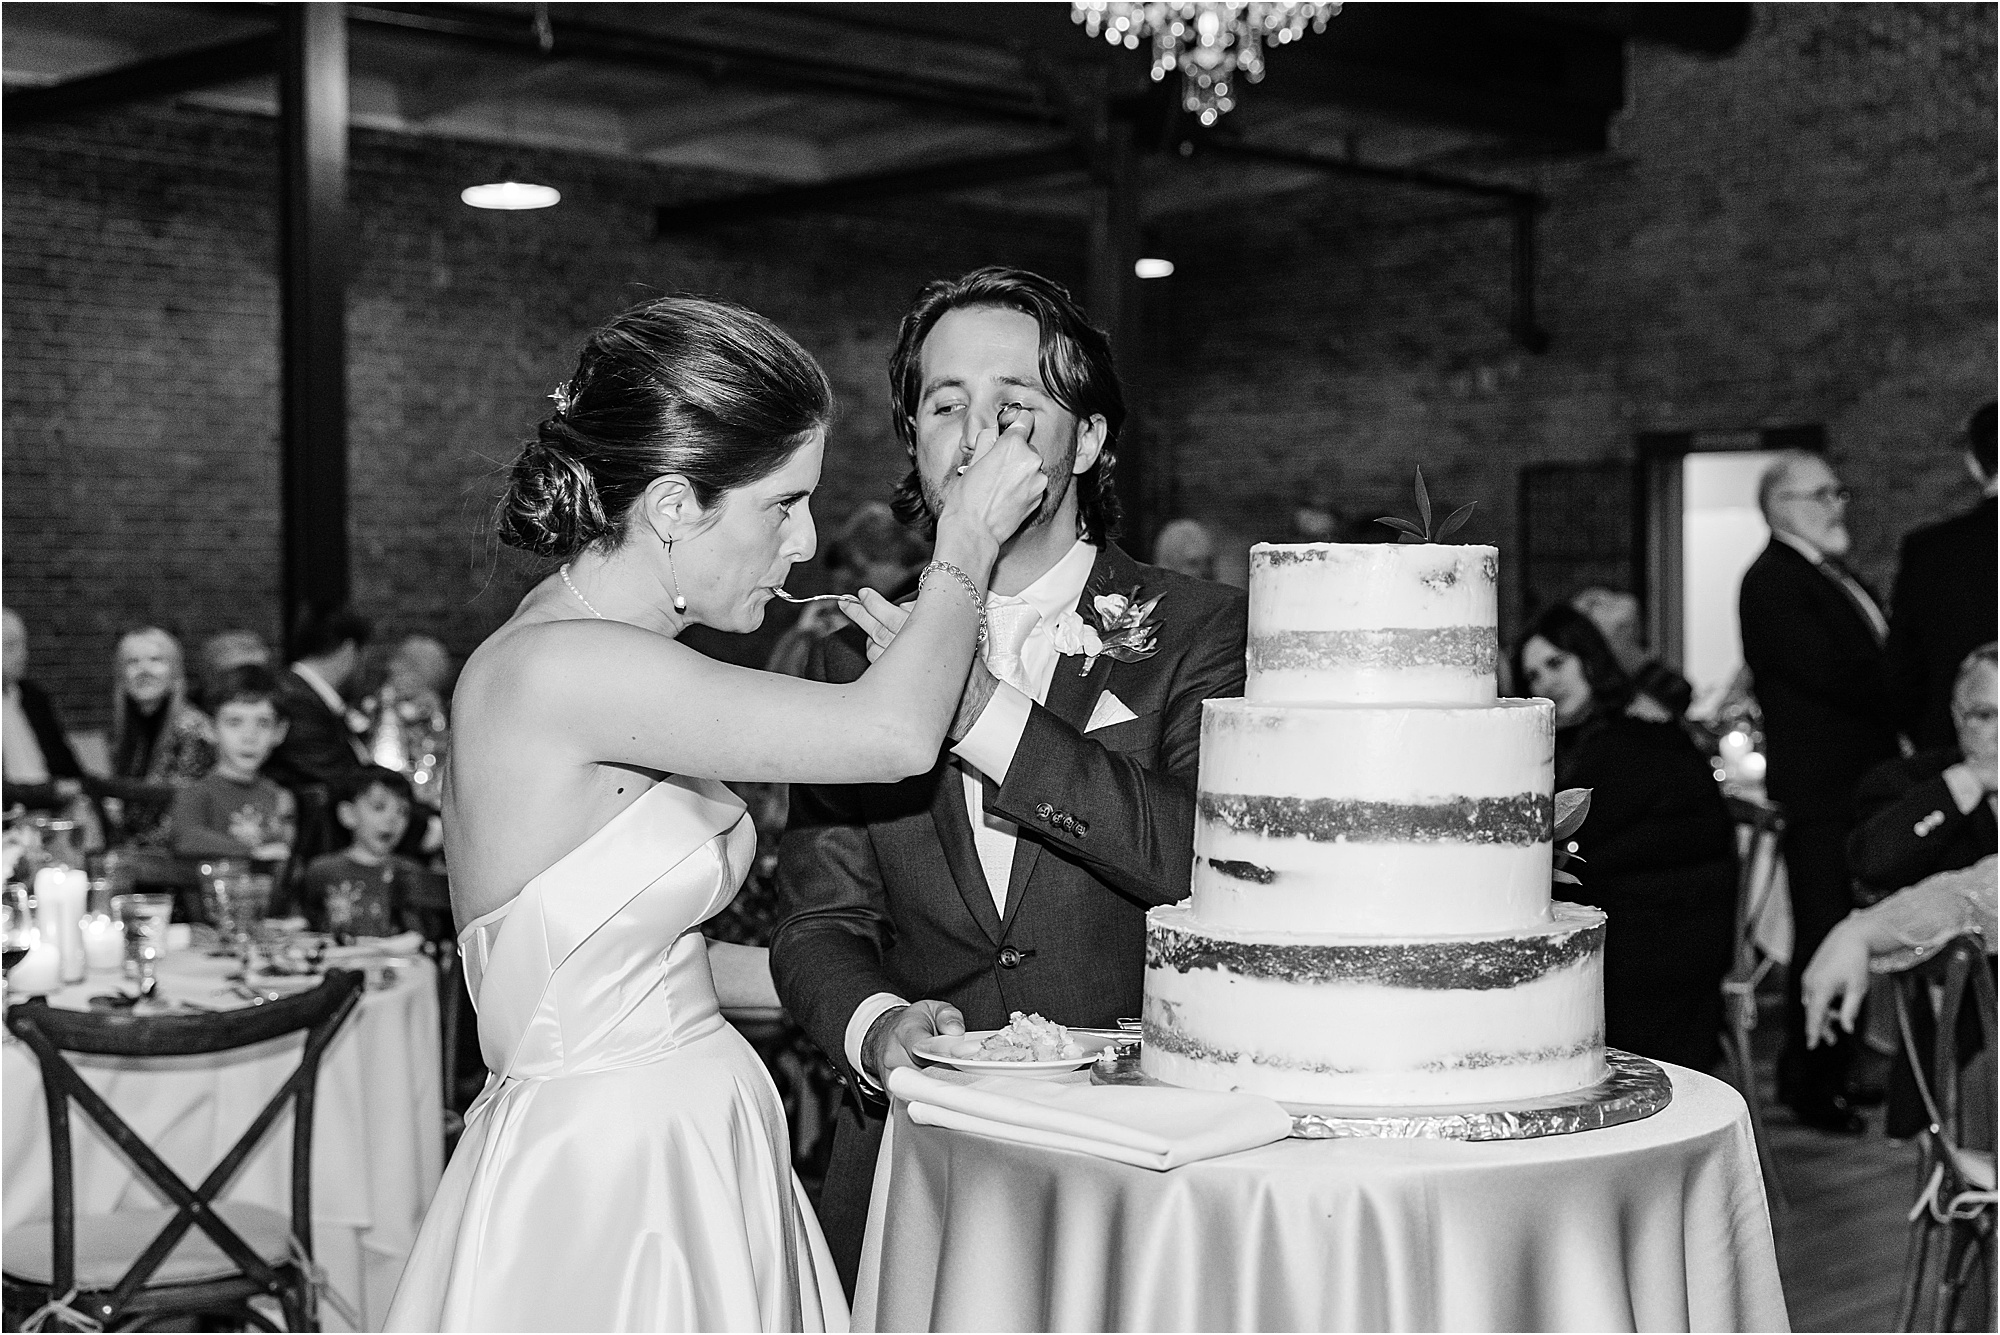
(564, 397)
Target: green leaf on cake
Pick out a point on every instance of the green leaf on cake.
(1421, 531)
(1456, 521)
(1572, 805)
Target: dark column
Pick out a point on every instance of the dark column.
(312, 116)
(1114, 304)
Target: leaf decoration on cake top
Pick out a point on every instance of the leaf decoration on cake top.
(1572, 805)
(1421, 531)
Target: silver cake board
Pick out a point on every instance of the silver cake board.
(1632, 1089)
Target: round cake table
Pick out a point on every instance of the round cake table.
(1659, 1224)
(378, 1146)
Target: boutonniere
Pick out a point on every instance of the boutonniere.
(1126, 630)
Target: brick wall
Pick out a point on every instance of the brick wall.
(141, 392)
(1802, 231)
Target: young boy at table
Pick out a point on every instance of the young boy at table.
(234, 811)
(368, 888)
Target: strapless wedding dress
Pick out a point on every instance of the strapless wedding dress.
(627, 1166)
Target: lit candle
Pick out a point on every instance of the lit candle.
(38, 973)
(60, 893)
(103, 942)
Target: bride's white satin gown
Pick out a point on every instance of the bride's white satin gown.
(627, 1166)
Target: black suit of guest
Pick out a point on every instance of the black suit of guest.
(883, 890)
(1820, 677)
(1946, 592)
(319, 746)
(317, 755)
(1658, 854)
(1910, 826)
(56, 754)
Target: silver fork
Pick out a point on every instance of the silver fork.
(812, 598)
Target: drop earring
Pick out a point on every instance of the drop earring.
(680, 599)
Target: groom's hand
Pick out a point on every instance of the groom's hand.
(891, 1037)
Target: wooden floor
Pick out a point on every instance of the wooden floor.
(1841, 1228)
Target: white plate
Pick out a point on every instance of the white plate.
(937, 1048)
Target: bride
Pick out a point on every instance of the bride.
(627, 1166)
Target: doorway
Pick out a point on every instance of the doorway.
(1703, 530)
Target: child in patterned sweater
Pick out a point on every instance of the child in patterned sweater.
(368, 889)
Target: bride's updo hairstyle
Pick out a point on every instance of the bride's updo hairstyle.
(705, 389)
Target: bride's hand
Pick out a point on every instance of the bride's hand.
(1000, 487)
(878, 617)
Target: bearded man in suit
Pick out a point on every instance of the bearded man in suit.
(1943, 605)
(1813, 639)
(1016, 875)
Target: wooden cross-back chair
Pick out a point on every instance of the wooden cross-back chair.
(1760, 826)
(1951, 1248)
(130, 1268)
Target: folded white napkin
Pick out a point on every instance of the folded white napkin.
(1108, 710)
(1148, 1126)
(371, 947)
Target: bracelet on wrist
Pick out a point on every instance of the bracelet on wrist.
(971, 589)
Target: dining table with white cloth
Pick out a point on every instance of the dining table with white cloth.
(1656, 1224)
(378, 1147)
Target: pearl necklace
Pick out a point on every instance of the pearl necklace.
(564, 572)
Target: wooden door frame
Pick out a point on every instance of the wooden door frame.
(1663, 506)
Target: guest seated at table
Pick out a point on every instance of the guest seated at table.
(225, 650)
(369, 889)
(1187, 546)
(159, 741)
(41, 772)
(407, 729)
(234, 811)
(1896, 934)
(1933, 811)
(1657, 852)
(1658, 692)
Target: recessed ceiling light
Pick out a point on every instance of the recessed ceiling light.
(510, 195)
(1154, 268)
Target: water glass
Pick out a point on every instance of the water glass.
(145, 918)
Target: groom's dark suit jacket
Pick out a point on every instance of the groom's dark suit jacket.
(881, 886)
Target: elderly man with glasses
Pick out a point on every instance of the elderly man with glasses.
(1813, 639)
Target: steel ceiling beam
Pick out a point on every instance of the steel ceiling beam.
(182, 72)
(872, 188)
(581, 41)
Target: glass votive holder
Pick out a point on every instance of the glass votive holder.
(103, 942)
(146, 918)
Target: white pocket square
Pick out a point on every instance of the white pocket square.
(1108, 710)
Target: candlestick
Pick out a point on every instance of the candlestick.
(60, 893)
(39, 972)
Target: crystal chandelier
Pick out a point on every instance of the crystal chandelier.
(1208, 41)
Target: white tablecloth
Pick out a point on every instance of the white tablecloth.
(378, 1148)
(1655, 1225)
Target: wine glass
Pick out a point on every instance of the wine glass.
(17, 931)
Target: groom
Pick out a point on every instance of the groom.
(1016, 875)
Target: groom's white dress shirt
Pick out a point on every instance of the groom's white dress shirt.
(1021, 654)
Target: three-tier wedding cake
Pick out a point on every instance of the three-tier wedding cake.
(1370, 923)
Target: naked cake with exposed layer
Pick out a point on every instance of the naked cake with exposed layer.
(1370, 923)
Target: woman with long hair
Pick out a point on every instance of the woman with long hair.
(627, 1167)
(1658, 850)
(159, 740)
